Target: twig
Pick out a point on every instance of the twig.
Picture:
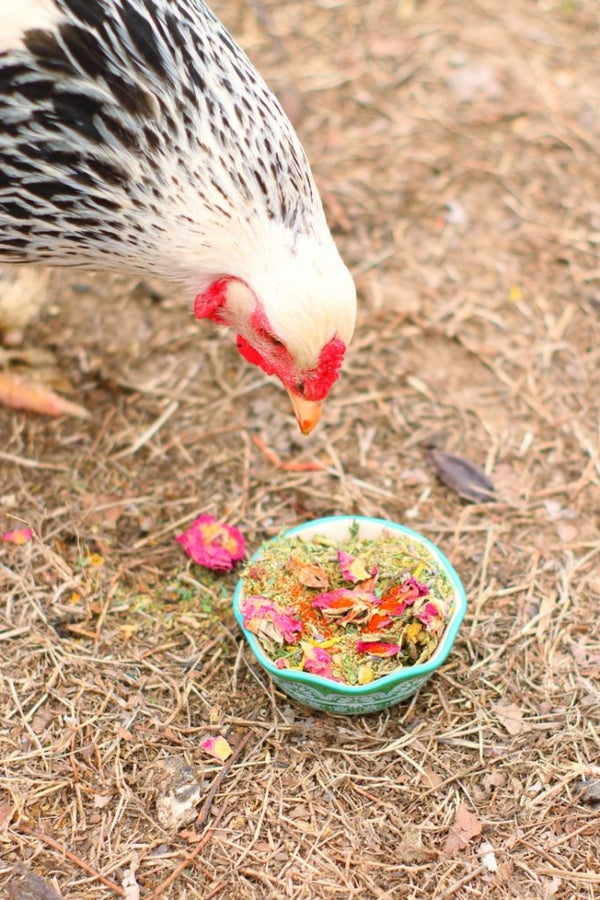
(188, 859)
(149, 433)
(204, 811)
(30, 463)
(51, 842)
(461, 883)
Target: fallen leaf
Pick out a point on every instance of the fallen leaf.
(192, 837)
(463, 476)
(42, 719)
(494, 780)
(548, 607)
(27, 886)
(466, 826)
(101, 509)
(509, 715)
(6, 813)
(431, 779)
(301, 812)
(217, 747)
(102, 800)
(590, 791)
(410, 848)
(308, 574)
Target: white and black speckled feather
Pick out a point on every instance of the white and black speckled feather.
(136, 134)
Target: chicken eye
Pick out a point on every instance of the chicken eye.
(274, 341)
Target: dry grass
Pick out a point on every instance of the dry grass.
(456, 147)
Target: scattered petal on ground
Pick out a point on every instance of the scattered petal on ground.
(213, 544)
(217, 747)
(17, 536)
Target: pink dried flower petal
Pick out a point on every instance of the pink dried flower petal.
(213, 544)
(411, 582)
(432, 615)
(18, 536)
(352, 567)
(318, 661)
(264, 615)
(343, 599)
(281, 663)
(378, 648)
(217, 747)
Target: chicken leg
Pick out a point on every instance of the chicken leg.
(23, 291)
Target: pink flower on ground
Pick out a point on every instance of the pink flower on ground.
(318, 661)
(18, 536)
(213, 544)
(378, 648)
(266, 618)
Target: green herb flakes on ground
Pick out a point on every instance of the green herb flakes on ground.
(351, 612)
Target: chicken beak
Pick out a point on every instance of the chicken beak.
(308, 412)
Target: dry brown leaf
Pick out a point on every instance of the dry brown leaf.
(27, 886)
(547, 608)
(6, 813)
(309, 574)
(591, 791)
(510, 715)
(466, 826)
(463, 476)
(101, 509)
(494, 780)
(430, 779)
(42, 719)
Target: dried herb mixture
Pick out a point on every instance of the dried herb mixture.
(351, 612)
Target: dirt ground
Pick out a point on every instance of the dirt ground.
(456, 147)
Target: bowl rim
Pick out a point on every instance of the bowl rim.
(379, 684)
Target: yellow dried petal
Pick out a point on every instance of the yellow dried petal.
(413, 631)
(365, 674)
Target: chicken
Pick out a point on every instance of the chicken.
(135, 135)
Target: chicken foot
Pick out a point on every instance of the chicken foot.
(22, 293)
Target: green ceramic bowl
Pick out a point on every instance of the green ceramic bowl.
(330, 696)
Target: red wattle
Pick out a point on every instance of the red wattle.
(252, 355)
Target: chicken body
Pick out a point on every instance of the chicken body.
(135, 135)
